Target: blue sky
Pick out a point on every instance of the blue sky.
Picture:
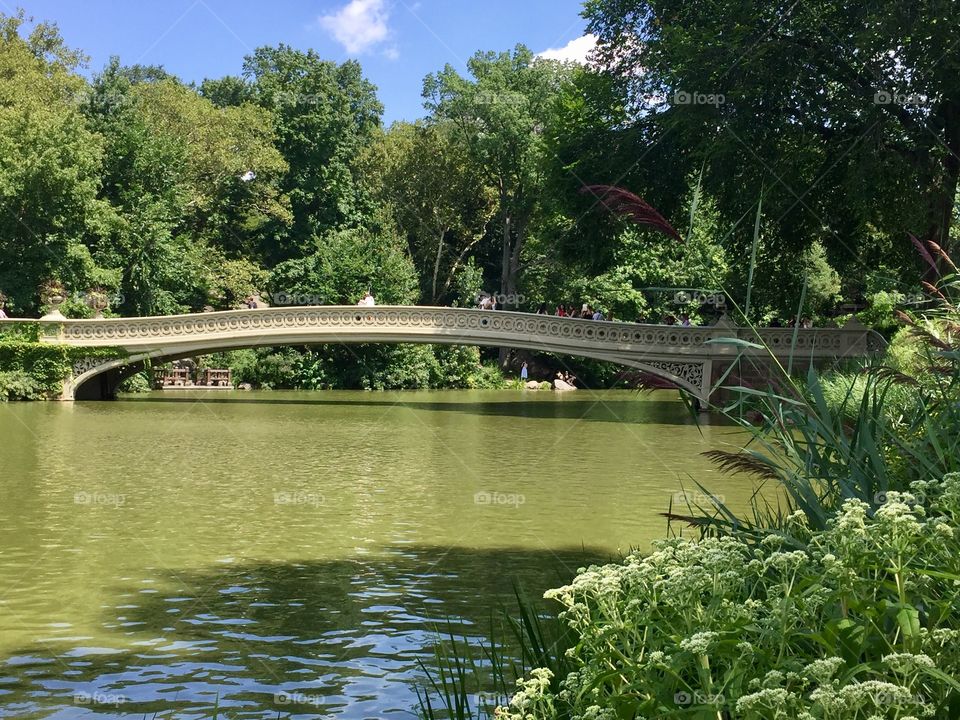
(397, 41)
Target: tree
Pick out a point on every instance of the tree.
(174, 168)
(846, 117)
(49, 166)
(227, 91)
(501, 115)
(346, 263)
(425, 175)
(324, 115)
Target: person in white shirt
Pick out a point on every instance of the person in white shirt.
(367, 299)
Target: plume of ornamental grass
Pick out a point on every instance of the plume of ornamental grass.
(924, 253)
(624, 203)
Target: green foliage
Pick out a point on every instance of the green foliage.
(645, 274)
(50, 163)
(860, 622)
(425, 174)
(879, 311)
(32, 370)
(344, 264)
(467, 283)
(19, 385)
(822, 281)
(137, 383)
(360, 367)
(842, 150)
(500, 116)
(324, 115)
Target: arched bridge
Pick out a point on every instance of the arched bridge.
(683, 356)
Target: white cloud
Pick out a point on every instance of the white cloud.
(358, 25)
(576, 50)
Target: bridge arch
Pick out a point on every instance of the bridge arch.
(100, 381)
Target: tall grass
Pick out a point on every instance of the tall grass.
(820, 441)
(468, 680)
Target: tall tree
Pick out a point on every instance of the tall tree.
(49, 165)
(324, 115)
(501, 114)
(176, 170)
(847, 114)
(424, 173)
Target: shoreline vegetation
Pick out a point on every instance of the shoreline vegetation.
(842, 600)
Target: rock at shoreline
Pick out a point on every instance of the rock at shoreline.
(532, 385)
(562, 385)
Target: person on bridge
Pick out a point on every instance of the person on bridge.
(367, 299)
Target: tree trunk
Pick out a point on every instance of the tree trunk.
(945, 191)
(506, 248)
(436, 267)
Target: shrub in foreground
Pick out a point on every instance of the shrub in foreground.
(860, 623)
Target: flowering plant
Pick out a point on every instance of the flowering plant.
(859, 623)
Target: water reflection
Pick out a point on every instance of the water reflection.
(324, 638)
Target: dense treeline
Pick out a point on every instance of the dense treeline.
(750, 131)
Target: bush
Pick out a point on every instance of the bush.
(859, 623)
(360, 367)
(138, 383)
(19, 385)
(34, 370)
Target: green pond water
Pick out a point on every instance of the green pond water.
(291, 554)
